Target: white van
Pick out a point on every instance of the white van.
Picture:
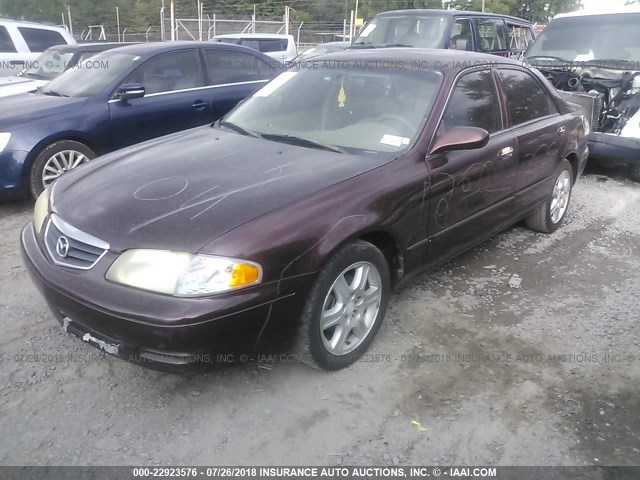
(23, 42)
(276, 45)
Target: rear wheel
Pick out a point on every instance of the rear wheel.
(345, 307)
(634, 172)
(549, 216)
(55, 160)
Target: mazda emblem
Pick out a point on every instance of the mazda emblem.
(62, 246)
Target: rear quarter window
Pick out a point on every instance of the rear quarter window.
(38, 40)
(6, 44)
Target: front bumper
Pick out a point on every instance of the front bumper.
(613, 148)
(157, 330)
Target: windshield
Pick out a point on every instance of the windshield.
(350, 109)
(425, 31)
(596, 37)
(48, 65)
(94, 77)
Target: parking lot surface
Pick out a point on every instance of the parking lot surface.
(523, 351)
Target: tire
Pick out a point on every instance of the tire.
(634, 172)
(68, 155)
(360, 319)
(546, 218)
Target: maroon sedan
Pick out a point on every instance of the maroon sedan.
(303, 208)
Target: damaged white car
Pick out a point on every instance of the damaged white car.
(593, 58)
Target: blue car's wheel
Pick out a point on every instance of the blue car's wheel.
(55, 160)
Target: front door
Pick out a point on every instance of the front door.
(471, 191)
(175, 99)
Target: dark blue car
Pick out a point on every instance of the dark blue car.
(119, 98)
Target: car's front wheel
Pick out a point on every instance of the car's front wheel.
(55, 160)
(345, 308)
(549, 216)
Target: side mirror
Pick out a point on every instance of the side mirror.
(461, 44)
(130, 91)
(461, 138)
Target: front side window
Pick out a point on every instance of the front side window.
(526, 99)
(425, 31)
(492, 34)
(228, 66)
(358, 110)
(461, 36)
(87, 82)
(38, 40)
(474, 102)
(6, 44)
(169, 72)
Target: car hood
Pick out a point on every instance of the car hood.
(183, 191)
(31, 106)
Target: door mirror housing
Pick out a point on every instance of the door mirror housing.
(461, 138)
(461, 44)
(130, 91)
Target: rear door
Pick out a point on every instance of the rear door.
(232, 75)
(538, 127)
(471, 190)
(175, 99)
(13, 52)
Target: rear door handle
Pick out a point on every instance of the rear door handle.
(562, 130)
(199, 105)
(506, 152)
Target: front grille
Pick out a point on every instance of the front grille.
(70, 247)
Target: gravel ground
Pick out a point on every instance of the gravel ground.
(465, 370)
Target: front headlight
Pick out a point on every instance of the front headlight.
(40, 211)
(4, 140)
(182, 274)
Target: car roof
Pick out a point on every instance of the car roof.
(79, 47)
(451, 13)
(254, 35)
(152, 48)
(26, 23)
(451, 61)
(596, 11)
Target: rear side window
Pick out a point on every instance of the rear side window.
(273, 45)
(474, 103)
(227, 66)
(169, 72)
(492, 34)
(526, 98)
(519, 38)
(38, 40)
(6, 44)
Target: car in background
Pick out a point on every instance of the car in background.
(456, 29)
(322, 49)
(50, 64)
(593, 58)
(140, 92)
(23, 42)
(278, 46)
(295, 215)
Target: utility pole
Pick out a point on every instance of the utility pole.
(173, 20)
(483, 5)
(70, 23)
(286, 20)
(118, 21)
(355, 18)
(253, 19)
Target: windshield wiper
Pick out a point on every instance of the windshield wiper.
(390, 45)
(53, 93)
(34, 75)
(302, 142)
(237, 128)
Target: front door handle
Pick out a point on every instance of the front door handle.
(506, 152)
(199, 105)
(562, 130)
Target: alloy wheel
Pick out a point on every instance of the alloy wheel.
(351, 308)
(560, 198)
(61, 163)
